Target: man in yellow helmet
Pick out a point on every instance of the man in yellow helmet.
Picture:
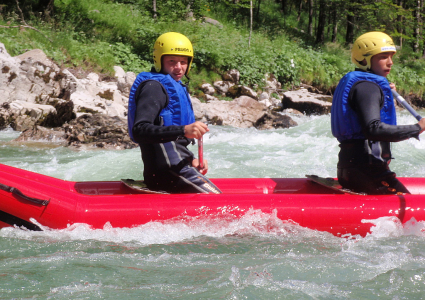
(363, 119)
(162, 122)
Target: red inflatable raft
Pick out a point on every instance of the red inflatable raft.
(56, 203)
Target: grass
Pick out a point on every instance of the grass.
(98, 34)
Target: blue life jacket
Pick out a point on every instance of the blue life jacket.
(344, 121)
(179, 110)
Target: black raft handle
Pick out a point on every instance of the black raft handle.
(18, 193)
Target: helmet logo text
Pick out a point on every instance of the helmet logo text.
(388, 48)
(181, 49)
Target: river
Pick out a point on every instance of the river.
(255, 257)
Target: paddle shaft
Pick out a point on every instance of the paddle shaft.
(201, 152)
(406, 105)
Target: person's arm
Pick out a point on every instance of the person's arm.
(150, 101)
(366, 98)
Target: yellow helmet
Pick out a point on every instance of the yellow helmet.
(172, 43)
(369, 44)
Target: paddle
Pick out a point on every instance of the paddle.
(406, 105)
(201, 152)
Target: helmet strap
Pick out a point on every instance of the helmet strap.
(186, 83)
(363, 62)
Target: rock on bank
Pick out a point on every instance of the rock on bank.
(92, 111)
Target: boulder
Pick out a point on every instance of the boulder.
(274, 120)
(232, 76)
(86, 132)
(247, 91)
(222, 87)
(209, 98)
(235, 91)
(91, 111)
(242, 112)
(275, 103)
(266, 102)
(293, 112)
(207, 89)
(98, 131)
(64, 113)
(42, 134)
(272, 85)
(240, 90)
(93, 96)
(25, 115)
(213, 22)
(124, 80)
(198, 109)
(37, 55)
(307, 102)
(263, 96)
(27, 79)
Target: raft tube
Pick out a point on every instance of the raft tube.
(54, 203)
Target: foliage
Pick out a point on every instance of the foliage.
(127, 59)
(98, 34)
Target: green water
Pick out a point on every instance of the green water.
(255, 257)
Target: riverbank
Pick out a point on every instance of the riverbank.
(48, 103)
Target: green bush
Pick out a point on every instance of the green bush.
(96, 35)
(129, 61)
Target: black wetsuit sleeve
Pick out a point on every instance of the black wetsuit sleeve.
(366, 99)
(151, 99)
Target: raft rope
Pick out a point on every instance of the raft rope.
(18, 193)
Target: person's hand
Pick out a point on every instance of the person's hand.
(392, 86)
(422, 124)
(195, 130)
(195, 164)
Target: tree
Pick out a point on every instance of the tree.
(284, 5)
(250, 23)
(400, 23)
(418, 25)
(320, 33)
(257, 12)
(335, 25)
(351, 19)
(310, 17)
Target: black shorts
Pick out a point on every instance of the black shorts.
(187, 180)
(371, 179)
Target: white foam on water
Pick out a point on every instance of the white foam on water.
(255, 252)
(385, 227)
(308, 148)
(251, 257)
(254, 222)
(8, 134)
(291, 152)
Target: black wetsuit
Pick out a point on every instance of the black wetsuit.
(358, 169)
(148, 132)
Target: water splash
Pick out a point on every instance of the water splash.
(385, 227)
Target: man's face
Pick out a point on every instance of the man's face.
(175, 65)
(381, 63)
